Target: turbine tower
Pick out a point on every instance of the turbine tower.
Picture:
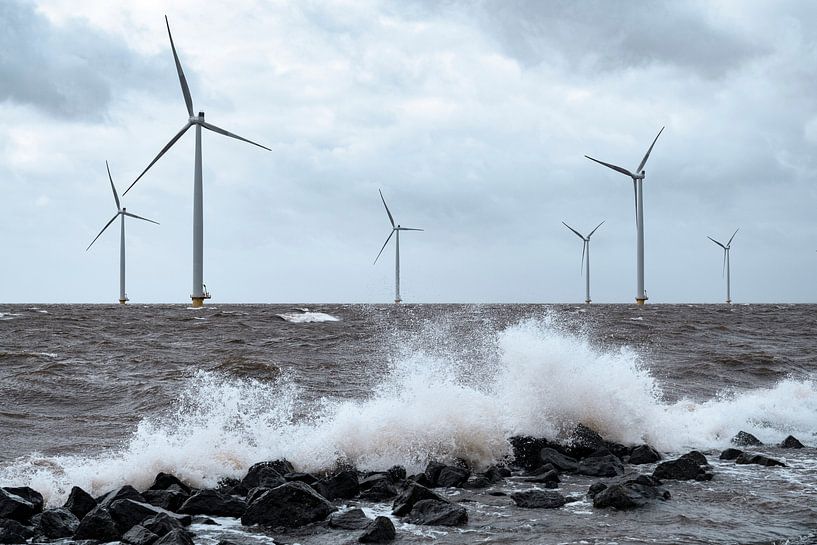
(726, 270)
(585, 253)
(394, 229)
(121, 213)
(638, 179)
(199, 293)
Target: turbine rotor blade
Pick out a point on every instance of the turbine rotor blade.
(391, 219)
(716, 242)
(647, 155)
(115, 196)
(185, 89)
(102, 231)
(140, 217)
(594, 230)
(578, 234)
(164, 150)
(733, 236)
(614, 167)
(384, 246)
(231, 135)
(408, 229)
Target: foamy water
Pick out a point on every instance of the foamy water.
(306, 317)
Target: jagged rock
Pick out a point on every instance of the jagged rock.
(79, 502)
(432, 471)
(476, 482)
(16, 507)
(381, 530)
(343, 484)
(207, 521)
(550, 476)
(267, 474)
(225, 542)
(744, 439)
(618, 450)
(12, 531)
(55, 523)
(595, 488)
(161, 523)
(451, 476)
(9, 536)
(496, 473)
(437, 513)
(416, 492)
(538, 499)
(377, 488)
(526, 450)
(644, 454)
(584, 441)
(730, 454)
(175, 537)
(215, 504)
(556, 459)
(292, 505)
(126, 492)
(353, 519)
(128, 513)
(420, 479)
(397, 473)
(28, 494)
(758, 459)
(139, 535)
(98, 525)
(696, 457)
(791, 442)
(164, 481)
(601, 466)
(307, 478)
(170, 499)
(627, 496)
(683, 469)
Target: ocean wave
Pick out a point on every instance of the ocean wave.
(304, 316)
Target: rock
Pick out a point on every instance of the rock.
(207, 521)
(538, 499)
(170, 499)
(696, 457)
(451, 476)
(128, 513)
(12, 531)
(161, 523)
(79, 502)
(551, 476)
(55, 523)
(139, 535)
(397, 474)
(353, 519)
(432, 472)
(379, 489)
(683, 469)
(420, 479)
(292, 505)
(7, 535)
(759, 459)
(584, 441)
(381, 530)
(267, 474)
(164, 481)
(791, 442)
(15, 507)
(98, 525)
(601, 466)
(476, 482)
(526, 450)
(618, 450)
(307, 478)
(627, 496)
(595, 488)
(496, 473)
(437, 513)
(744, 439)
(126, 492)
(416, 492)
(343, 484)
(215, 504)
(558, 460)
(28, 494)
(175, 537)
(730, 454)
(644, 454)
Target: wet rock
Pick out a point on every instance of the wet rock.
(644, 454)
(618, 450)
(628, 496)
(584, 441)
(696, 457)
(551, 476)
(415, 493)
(556, 459)
(791, 442)
(228, 485)
(744, 439)
(730, 454)
(176, 537)
(170, 499)
(758, 459)
(437, 513)
(207, 521)
(28, 494)
(353, 519)
(601, 466)
(344, 484)
(421, 479)
(685, 468)
(307, 478)
(476, 482)
(98, 525)
(291, 505)
(55, 523)
(432, 471)
(15, 507)
(381, 530)
(496, 473)
(126, 492)
(538, 499)
(595, 488)
(526, 450)
(451, 476)
(79, 502)
(265, 475)
(215, 504)
(377, 488)
(161, 524)
(128, 513)
(397, 474)
(12, 531)
(139, 535)
(164, 481)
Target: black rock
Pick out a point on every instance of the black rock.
(526, 450)
(791, 442)
(139, 535)
(353, 519)
(176, 537)
(451, 476)
(164, 481)
(744, 439)
(397, 474)
(556, 459)
(496, 473)
(584, 441)
(617, 449)
(267, 474)
(551, 476)
(307, 478)
(79, 502)
(644, 454)
(128, 513)
(28, 494)
(55, 523)
(437, 513)
(476, 482)
(225, 542)
(601, 466)
(229, 485)
(170, 499)
(9, 536)
(379, 490)
(161, 523)
(15, 507)
(759, 459)
(343, 484)
(381, 530)
(12, 531)
(126, 492)
(538, 499)
(416, 492)
(627, 496)
(215, 504)
(421, 479)
(595, 488)
(730, 454)
(291, 505)
(207, 521)
(682, 469)
(696, 457)
(432, 472)
(98, 525)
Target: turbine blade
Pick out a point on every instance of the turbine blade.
(594, 230)
(584, 247)
(115, 196)
(647, 155)
(408, 229)
(716, 242)
(728, 244)
(578, 234)
(614, 167)
(231, 135)
(185, 89)
(102, 231)
(384, 246)
(164, 149)
(391, 219)
(140, 217)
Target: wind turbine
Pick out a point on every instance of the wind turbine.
(394, 229)
(726, 249)
(199, 293)
(638, 179)
(121, 212)
(585, 252)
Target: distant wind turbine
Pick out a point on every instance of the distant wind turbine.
(726, 249)
(120, 212)
(199, 293)
(638, 178)
(394, 229)
(585, 254)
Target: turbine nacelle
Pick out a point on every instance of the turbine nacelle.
(194, 119)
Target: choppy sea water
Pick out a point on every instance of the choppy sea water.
(99, 396)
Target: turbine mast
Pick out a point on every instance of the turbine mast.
(641, 296)
(198, 296)
(728, 279)
(397, 267)
(587, 271)
(123, 298)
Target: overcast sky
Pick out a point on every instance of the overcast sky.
(473, 118)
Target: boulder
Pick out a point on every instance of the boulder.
(452, 476)
(267, 474)
(12, 531)
(55, 523)
(644, 454)
(617, 449)
(353, 519)
(601, 466)
(437, 513)
(344, 484)
(377, 488)
(759, 459)
(98, 525)
(685, 468)
(126, 492)
(595, 488)
(175, 537)
(730, 454)
(139, 535)
(396, 474)
(526, 450)
(164, 481)
(538, 499)
(476, 482)
(292, 505)
(128, 513)
(214, 504)
(584, 441)
(28, 494)
(496, 473)
(629, 495)
(432, 471)
(161, 523)
(405, 502)
(696, 457)
(381, 530)
(15, 507)
(79, 502)
(170, 499)
(550, 476)
(557, 459)
(744, 439)
(791, 442)
(307, 478)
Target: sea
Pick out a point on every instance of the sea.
(104, 395)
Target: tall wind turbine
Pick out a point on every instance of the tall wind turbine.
(394, 229)
(726, 270)
(638, 179)
(121, 212)
(199, 293)
(585, 254)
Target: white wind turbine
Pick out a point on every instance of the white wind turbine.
(121, 212)
(726, 249)
(638, 178)
(199, 294)
(394, 229)
(585, 254)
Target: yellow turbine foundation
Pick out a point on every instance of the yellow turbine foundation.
(198, 302)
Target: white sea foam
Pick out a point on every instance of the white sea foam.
(540, 380)
(305, 316)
